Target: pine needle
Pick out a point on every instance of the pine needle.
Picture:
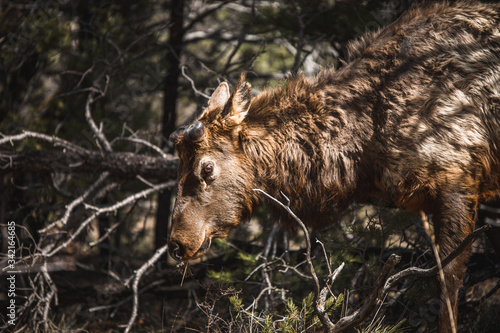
(184, 274)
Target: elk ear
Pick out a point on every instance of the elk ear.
(175, 135)
(240, 100)
(220, 96)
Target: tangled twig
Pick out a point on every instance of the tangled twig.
(382, 285)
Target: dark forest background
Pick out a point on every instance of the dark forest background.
(89, 93)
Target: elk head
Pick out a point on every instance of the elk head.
(214, 180)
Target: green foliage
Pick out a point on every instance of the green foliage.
(222, 276)
(291, 318)
(377, 327)
(236, 302)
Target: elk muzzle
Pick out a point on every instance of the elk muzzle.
(187, 245)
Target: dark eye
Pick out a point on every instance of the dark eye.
(208, 168)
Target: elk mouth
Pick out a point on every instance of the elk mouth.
(205, 246)
(201, 251)
(180, 252)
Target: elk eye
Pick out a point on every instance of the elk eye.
(208, 169)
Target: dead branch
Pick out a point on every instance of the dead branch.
(69, 208)
(193, 86)
(120, 164)
(142, 142)
(439, 266)
(136, 277)
(346, 323)
(48, 251)
(320, 306)
(63, 263)
(88, 116)
(382, 285)
(385, 282)
(126, 299)
(57, 142)
(52, 294)
(422, 272)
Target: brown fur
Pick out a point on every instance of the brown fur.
(413, 119)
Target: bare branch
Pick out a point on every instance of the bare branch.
(57, 142)
(127, 299)
(52, 294)
(196, 91)
(45, 252)
(113, 227)
(208, 11)
(320, 307)
(346, 323)
(136, 278)
(120, 164)
(143, 142)
(425, 223)
(421, 272)
(382, 285)
(98, 132)
(69, 208)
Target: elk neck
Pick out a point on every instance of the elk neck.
(307, 139)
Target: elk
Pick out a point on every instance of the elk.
(412, 120)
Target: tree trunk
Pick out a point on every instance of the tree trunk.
(169, 110)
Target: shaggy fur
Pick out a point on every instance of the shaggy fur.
(413, 119)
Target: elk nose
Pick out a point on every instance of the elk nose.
(177, 251)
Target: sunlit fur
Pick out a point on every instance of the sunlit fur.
(412, 120)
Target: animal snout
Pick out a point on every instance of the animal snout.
(182, 249)
(177, 251)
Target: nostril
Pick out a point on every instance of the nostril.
(178, 252)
